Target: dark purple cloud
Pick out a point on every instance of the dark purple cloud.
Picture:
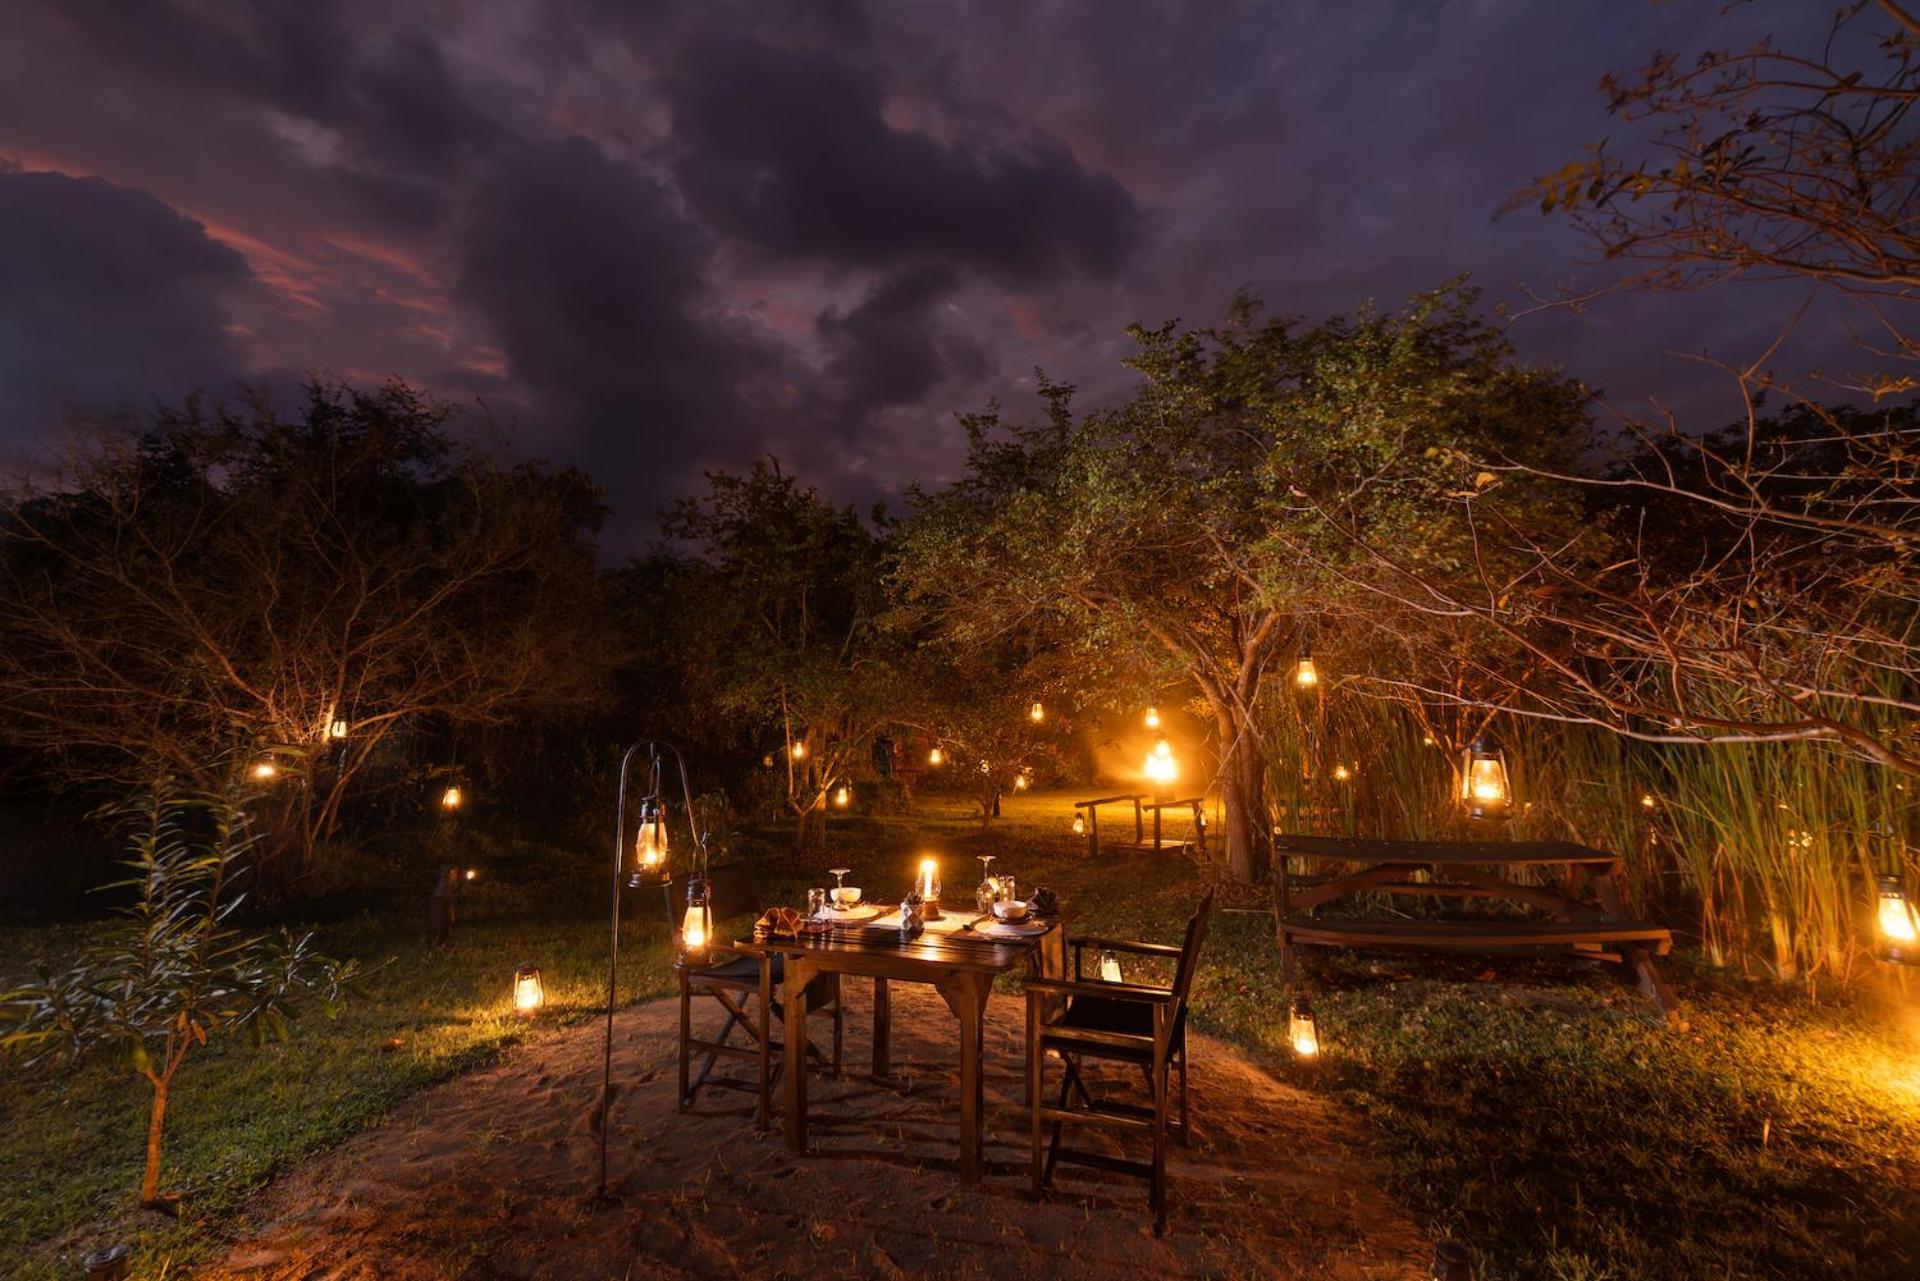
(657, 238)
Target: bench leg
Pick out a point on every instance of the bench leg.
(1651, 981)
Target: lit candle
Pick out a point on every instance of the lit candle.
(929, 880)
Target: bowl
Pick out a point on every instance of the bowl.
(846, 895)
(1010, 910)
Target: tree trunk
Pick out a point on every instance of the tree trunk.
(1243, 793)
(810, 835)
(150, 1180)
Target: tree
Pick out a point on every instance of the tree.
(234, 585)
(784, 603)
(1199, 527)
(178, 976)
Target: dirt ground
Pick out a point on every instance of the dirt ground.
(492, 1175)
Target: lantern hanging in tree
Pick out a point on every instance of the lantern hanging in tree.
(935, 756)
(336, 730)
(1341, 773)
(451, 799)
(1305, 674)
(1152, 718)
(798, 751)
(650, 846)
(1899, 924)
(696, 926)
(265, 771)
(1022, 781)
(843, 796)
(528, 993)
(1037, 713)
(1161, 767)
(1302, 1031)
(1484, 786)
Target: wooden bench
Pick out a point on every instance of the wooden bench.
(1197, 804)
(1593, 928)
(1092, 809)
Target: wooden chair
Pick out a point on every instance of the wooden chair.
(746, 988)
(1133, 1023)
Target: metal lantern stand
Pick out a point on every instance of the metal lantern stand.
(657, 754)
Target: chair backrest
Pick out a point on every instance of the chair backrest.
(1190, 952)
(731, 892)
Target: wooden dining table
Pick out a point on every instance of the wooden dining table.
(951, 955)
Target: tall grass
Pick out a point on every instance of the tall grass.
(1765, 852)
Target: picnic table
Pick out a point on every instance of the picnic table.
(957, 961)
(1583, 911)
(1144, 803)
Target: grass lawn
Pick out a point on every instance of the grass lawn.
(1536, 1111)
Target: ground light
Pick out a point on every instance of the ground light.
(1484, 786)
(1302, 1032)
(1305, 674)
(529, 994)
(1899, 924)
(1160, 766)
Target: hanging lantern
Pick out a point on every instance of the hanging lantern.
(1305, 674)
(696, 927)
(798, 751)
(935, 757)
(1899, 924)
(650, 846)
(1161, 767)
(528, 994)
(1079, 824)
(451, 799)
(1484, 788)
(1037, 713)
(1646, 801)
(1152, 718)
(265, 771)
(336, 730)
(1302, 1031)
(1022, 781)
(473, 874)
(843, 796)
(1341, 773)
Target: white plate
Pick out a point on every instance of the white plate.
(858, 912)
(1010, 929)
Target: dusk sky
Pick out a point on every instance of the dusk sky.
(656, 238)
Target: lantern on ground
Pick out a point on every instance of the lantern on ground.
(935, 756)
(1037, 713)
(696, 925)
(1484, 786)
(1109, 964)
(1152, 718)
(528, 994)
(451, 799)
(1079, 824)
(650, 846)
(1161, 767)
(1305, 674)
(264, 771)
(1302, 1032)
(1899, 924)
(843, 796)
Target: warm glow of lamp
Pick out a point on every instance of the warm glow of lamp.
(1079, 824)
(265, 771)
(1305, 674)
(473, 874)
(927, 881)
(798, 751)
(336, 730)
(650, 843)
(935, 757)
(1152, 718)
(528, 993)
(1302, 1031)
(1161, 767)
(1037, 713)
(451, 799)
(1899, 924)
(696, 926)
(1484, 787)
(843, 796)
(1022, 781)
(1341, 773)
(1646, 801)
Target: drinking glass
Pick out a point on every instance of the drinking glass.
(989, 889)
(1008, 894)
(816, 904)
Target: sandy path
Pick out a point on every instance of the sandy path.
(490, 1176)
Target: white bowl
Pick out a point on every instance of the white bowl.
(1010, 910)
(846, 895)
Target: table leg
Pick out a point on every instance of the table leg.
(882, 1028)
(966, 995)
(794, 982)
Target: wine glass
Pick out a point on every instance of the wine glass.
(839, 875)
(989, 889)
